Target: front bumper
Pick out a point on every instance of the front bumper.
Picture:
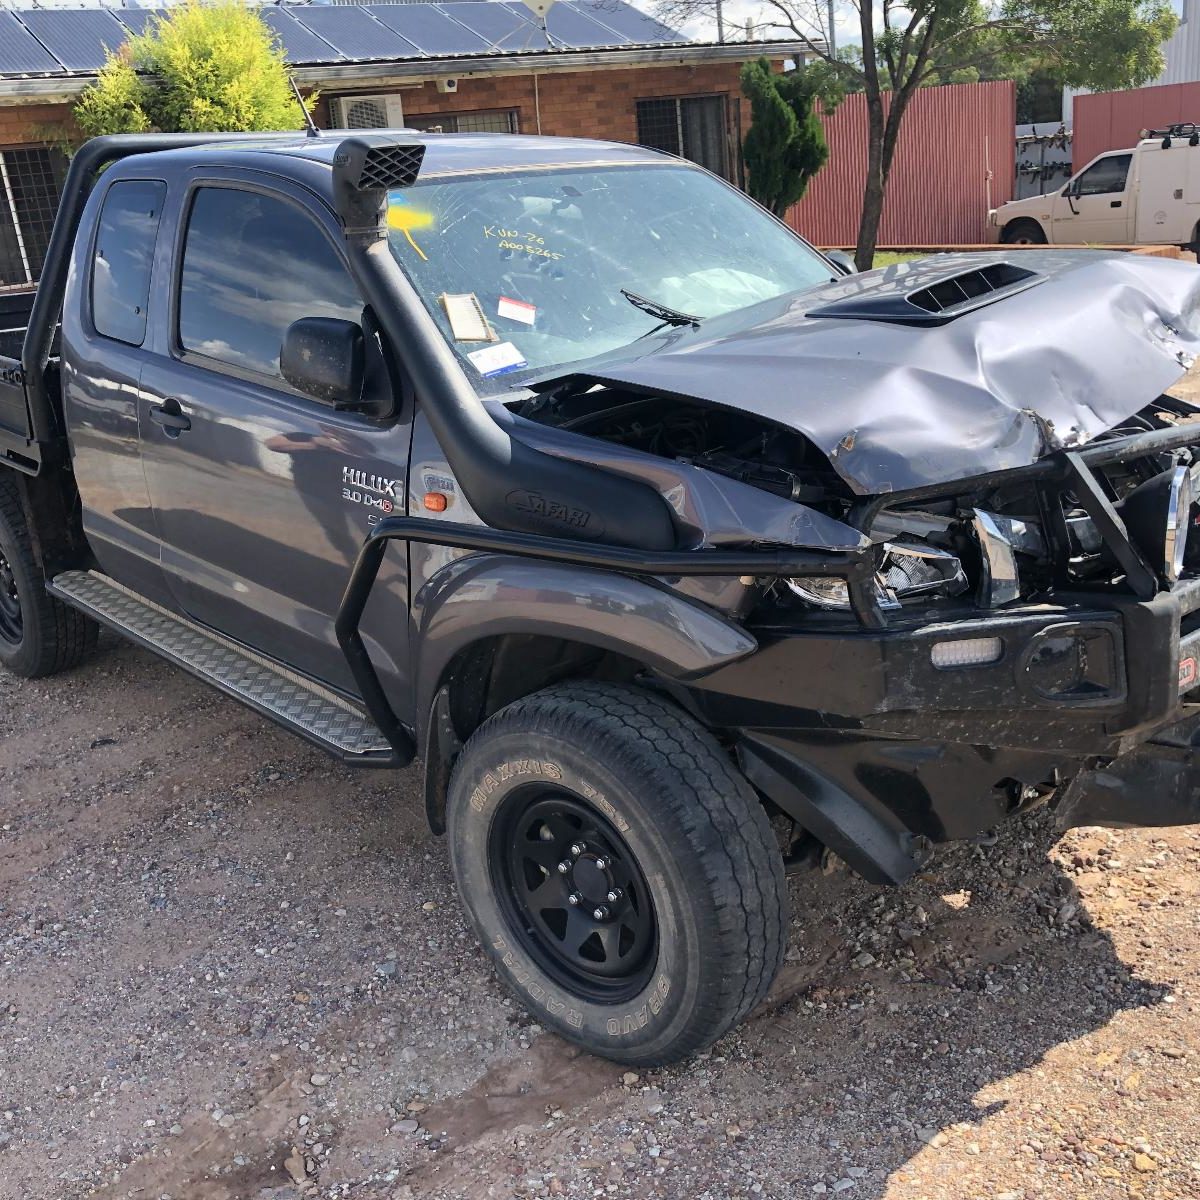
(867, 744)
(1096, 677)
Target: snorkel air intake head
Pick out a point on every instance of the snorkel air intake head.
(365, 168)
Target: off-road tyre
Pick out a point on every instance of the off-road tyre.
(661, 810)
(39, 635)
(1024, 231)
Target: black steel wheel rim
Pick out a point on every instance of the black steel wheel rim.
(10, 603)
(573, 893)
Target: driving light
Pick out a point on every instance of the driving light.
(1156, 515)
(966, 652)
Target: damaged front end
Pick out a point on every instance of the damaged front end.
(996, 444)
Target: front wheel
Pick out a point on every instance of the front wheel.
(618, 869)
(1024, 232)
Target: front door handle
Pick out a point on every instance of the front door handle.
(171, 417)
(1114, 204)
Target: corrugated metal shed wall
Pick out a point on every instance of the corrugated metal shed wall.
(1183, 50)
(1113, 120)
(938, 190)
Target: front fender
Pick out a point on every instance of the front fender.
(486, 595)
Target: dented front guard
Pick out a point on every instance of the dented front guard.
(1155, 785)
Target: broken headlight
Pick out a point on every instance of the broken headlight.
(906, 571)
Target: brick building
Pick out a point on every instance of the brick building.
(598, 68)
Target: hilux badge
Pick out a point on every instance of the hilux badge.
(353, 477)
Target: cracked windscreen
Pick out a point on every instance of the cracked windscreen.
(532, 270)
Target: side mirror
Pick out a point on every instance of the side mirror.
(325, 358)
(842, 261)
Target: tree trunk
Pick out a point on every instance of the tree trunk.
(876, 181)
(882, 137)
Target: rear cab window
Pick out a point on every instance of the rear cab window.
(124, 258)
(253, 264)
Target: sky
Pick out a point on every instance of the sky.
(738, 12)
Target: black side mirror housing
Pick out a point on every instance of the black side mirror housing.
(841, 260)
(325, 358)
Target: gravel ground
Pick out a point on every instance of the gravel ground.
(230, 967)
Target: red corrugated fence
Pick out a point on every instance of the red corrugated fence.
(1112, 120)
(938, 192)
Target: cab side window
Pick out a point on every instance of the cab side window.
(253, 264)
(123, 258)
(1108, 175)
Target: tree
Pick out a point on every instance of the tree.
(908, 44)
(785, 146)
(201, 68)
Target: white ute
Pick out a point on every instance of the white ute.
(1149, 195)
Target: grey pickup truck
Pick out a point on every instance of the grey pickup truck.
(679, 554)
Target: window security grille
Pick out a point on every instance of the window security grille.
(497, 120)
(31, 179)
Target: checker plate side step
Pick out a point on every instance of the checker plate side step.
(315, 713)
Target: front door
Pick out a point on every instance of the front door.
(249, 479)
(1096, 206)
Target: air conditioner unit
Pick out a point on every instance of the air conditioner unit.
(367, 112)
(447, 85)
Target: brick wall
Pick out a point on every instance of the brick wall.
(596, 104)
(21, 124)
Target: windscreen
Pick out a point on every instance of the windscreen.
(529, 271)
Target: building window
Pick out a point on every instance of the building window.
(691, 126)
(31, 179)
(495, 120)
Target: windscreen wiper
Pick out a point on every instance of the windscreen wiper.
(668, 316)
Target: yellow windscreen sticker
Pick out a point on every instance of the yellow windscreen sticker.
(404, 218)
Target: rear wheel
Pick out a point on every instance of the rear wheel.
(39, 635)
(1023, 232)
(618, 869)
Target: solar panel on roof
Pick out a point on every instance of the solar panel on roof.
(300, 45)
(353, 31)
(508, 29)
(20, 52)
(575, 30)
(137, 19)
(78, 37)
(429, 28)
(641, 28)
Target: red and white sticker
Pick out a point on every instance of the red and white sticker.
(1187, 673)
(516, 310)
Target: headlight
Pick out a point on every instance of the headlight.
(906, 571)
(1156, 515)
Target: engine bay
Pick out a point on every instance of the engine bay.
(1010, 538)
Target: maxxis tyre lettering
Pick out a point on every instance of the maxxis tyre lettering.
(701, 839)
(54, 637)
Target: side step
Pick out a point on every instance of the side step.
(315, 713)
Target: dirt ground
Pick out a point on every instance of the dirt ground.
(232, 968)
(228, 963)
